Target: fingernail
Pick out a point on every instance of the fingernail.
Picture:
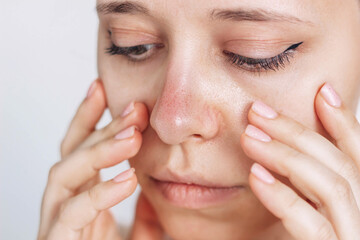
(264, 110)
(128, 132)
(91, 89)
(124, 175)
(128, 109)
(331, 97)
(261, 173)
(257, 134)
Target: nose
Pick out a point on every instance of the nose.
(183, 110)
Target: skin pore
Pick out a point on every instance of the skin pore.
(198, 98)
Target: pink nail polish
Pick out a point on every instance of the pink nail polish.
(261, 173)
(257, 134)
(128, 109)
(124, 175)
(128, 132)
(91, 89)
(331, 97)
(264, 110)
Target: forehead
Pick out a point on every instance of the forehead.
(307, 10)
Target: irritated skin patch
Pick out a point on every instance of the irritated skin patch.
(178, 112)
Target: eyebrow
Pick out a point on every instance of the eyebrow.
(121, 7)
(255, 15)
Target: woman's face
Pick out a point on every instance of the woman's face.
(195, 71)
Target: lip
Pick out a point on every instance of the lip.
(192, 191)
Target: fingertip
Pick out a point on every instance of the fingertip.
(245, 143)
(336, 120)
(124, 176)
(243, 139)
(134, 144)
(93, 106)
(125, 181)
(330, 96)
(252, 116)
(116, 192)
(265, 193)
(131, 136)
(91, 89)
(256, 185)
(325, 112)
(321, 107)
(251, 147)
(97, 96)
(140, 116)
(126, 188)
(321, 103)
(327, 101)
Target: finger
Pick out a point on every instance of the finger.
(303, 139)
(85, 119)
(301, 220)
(146, 225)
(339, 121)
(79, 211)
(65, 177)
(320, 184)
(83, 165)
(137, 115)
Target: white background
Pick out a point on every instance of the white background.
(47, 62)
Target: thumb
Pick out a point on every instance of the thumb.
(146, 225)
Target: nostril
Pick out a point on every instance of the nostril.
(197, 135)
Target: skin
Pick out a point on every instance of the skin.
(192, 108)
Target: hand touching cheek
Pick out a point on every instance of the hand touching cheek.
(326, 173)
(76, 203)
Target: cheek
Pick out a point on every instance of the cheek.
(117, 98)
(122, 87)
(124, 83)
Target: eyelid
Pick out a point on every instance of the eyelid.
(291, 47)
(129, 38)
(257, 49)
(257, 64)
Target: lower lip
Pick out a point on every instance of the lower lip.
(195, 196)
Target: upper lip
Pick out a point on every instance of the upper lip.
(188, 178)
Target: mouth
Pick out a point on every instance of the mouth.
(190, 191)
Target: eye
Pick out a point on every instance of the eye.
(135, 53)
(259, 64)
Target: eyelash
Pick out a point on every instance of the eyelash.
(138, 50)
(258, 64)
(253, 65)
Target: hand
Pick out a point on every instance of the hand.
(76, 203)
(326, 172)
